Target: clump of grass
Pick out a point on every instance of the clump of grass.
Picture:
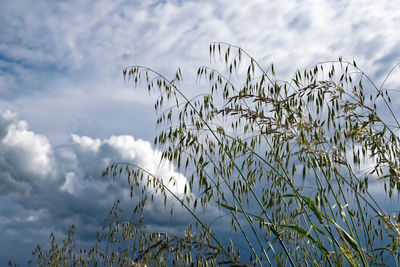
(127, 243)
(284, 160)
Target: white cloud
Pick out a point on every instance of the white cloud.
(96, 155)
(26, 158)
(86, 143)
(34, 150)
(71, 183)
(32, 160)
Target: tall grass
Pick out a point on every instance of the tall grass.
(289, 162)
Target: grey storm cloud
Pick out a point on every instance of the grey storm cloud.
(48, 189)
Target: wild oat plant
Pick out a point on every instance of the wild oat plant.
(289, 163)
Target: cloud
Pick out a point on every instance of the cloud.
(95, 155)
(26, 158)
(49, 188)
(32, 149)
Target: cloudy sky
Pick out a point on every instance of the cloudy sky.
(65, 111)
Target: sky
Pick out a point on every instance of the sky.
(66, 112)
